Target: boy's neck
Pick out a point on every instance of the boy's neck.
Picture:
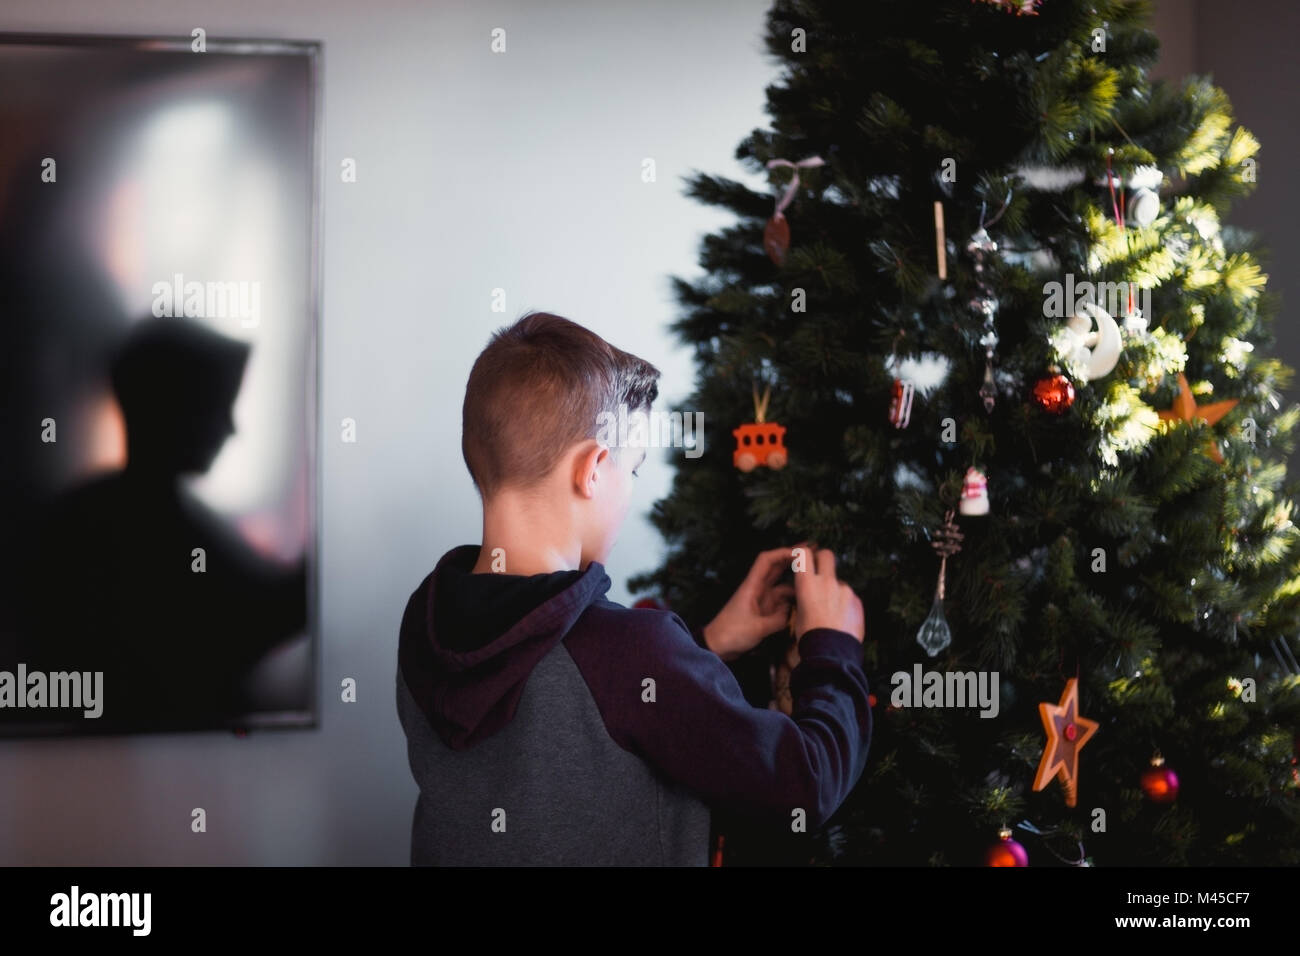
(500, 559)
(519, 537)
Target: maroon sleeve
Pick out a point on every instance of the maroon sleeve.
(679, 707)
(697, 633)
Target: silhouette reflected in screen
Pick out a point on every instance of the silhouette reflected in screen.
(137, 578)
(158, 384)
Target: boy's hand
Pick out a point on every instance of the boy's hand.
(822, 600)
(759, 607)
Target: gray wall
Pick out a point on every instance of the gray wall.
(1247, 49)
(476, 171)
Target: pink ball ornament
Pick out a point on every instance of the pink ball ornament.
(1006, 852)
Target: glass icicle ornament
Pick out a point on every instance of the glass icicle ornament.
(935, 634)
(981, 248)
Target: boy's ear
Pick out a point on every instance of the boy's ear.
(587, 468)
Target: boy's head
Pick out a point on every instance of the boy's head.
(536, 397)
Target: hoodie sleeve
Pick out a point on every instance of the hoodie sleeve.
(680, 708)
(697, 635)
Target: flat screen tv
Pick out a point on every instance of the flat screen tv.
(159, 313)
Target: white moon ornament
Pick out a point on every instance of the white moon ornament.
(1097, 351)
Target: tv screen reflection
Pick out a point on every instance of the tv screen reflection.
(157, 495)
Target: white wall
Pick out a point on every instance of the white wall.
(476, 171)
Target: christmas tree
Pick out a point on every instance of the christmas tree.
(994, 251)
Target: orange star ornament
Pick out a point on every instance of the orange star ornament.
(1067, 732)
(1185, 409)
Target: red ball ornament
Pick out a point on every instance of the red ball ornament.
(1006, 852)
(1054, 394)
(1159, 782)
(653, 604)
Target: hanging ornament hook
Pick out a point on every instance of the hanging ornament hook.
(996, 216)
(776, 234)
(1115, 204)
(760, 404)
(947, 542)
(788, 195)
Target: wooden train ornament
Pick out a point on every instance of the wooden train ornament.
(760, 442)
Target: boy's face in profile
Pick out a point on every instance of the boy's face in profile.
(616, 471)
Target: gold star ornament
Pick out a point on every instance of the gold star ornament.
(1185, 409)
(1067, 732)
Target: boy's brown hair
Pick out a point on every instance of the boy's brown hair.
(539, 386)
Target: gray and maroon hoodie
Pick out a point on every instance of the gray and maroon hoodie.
(548, 725)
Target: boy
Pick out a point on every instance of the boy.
(548, 725)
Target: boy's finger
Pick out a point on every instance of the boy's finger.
(805, 555)
(768, 566)
(803, 583)
(770, 599)
(826, 562)
(781, 592)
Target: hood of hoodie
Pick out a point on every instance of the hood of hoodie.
(470, 641)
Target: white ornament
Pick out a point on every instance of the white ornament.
(1143, 207)
(1144, 196)
(1096, 350)
(1135, 322)
(1146, 177)
(1052, 179)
